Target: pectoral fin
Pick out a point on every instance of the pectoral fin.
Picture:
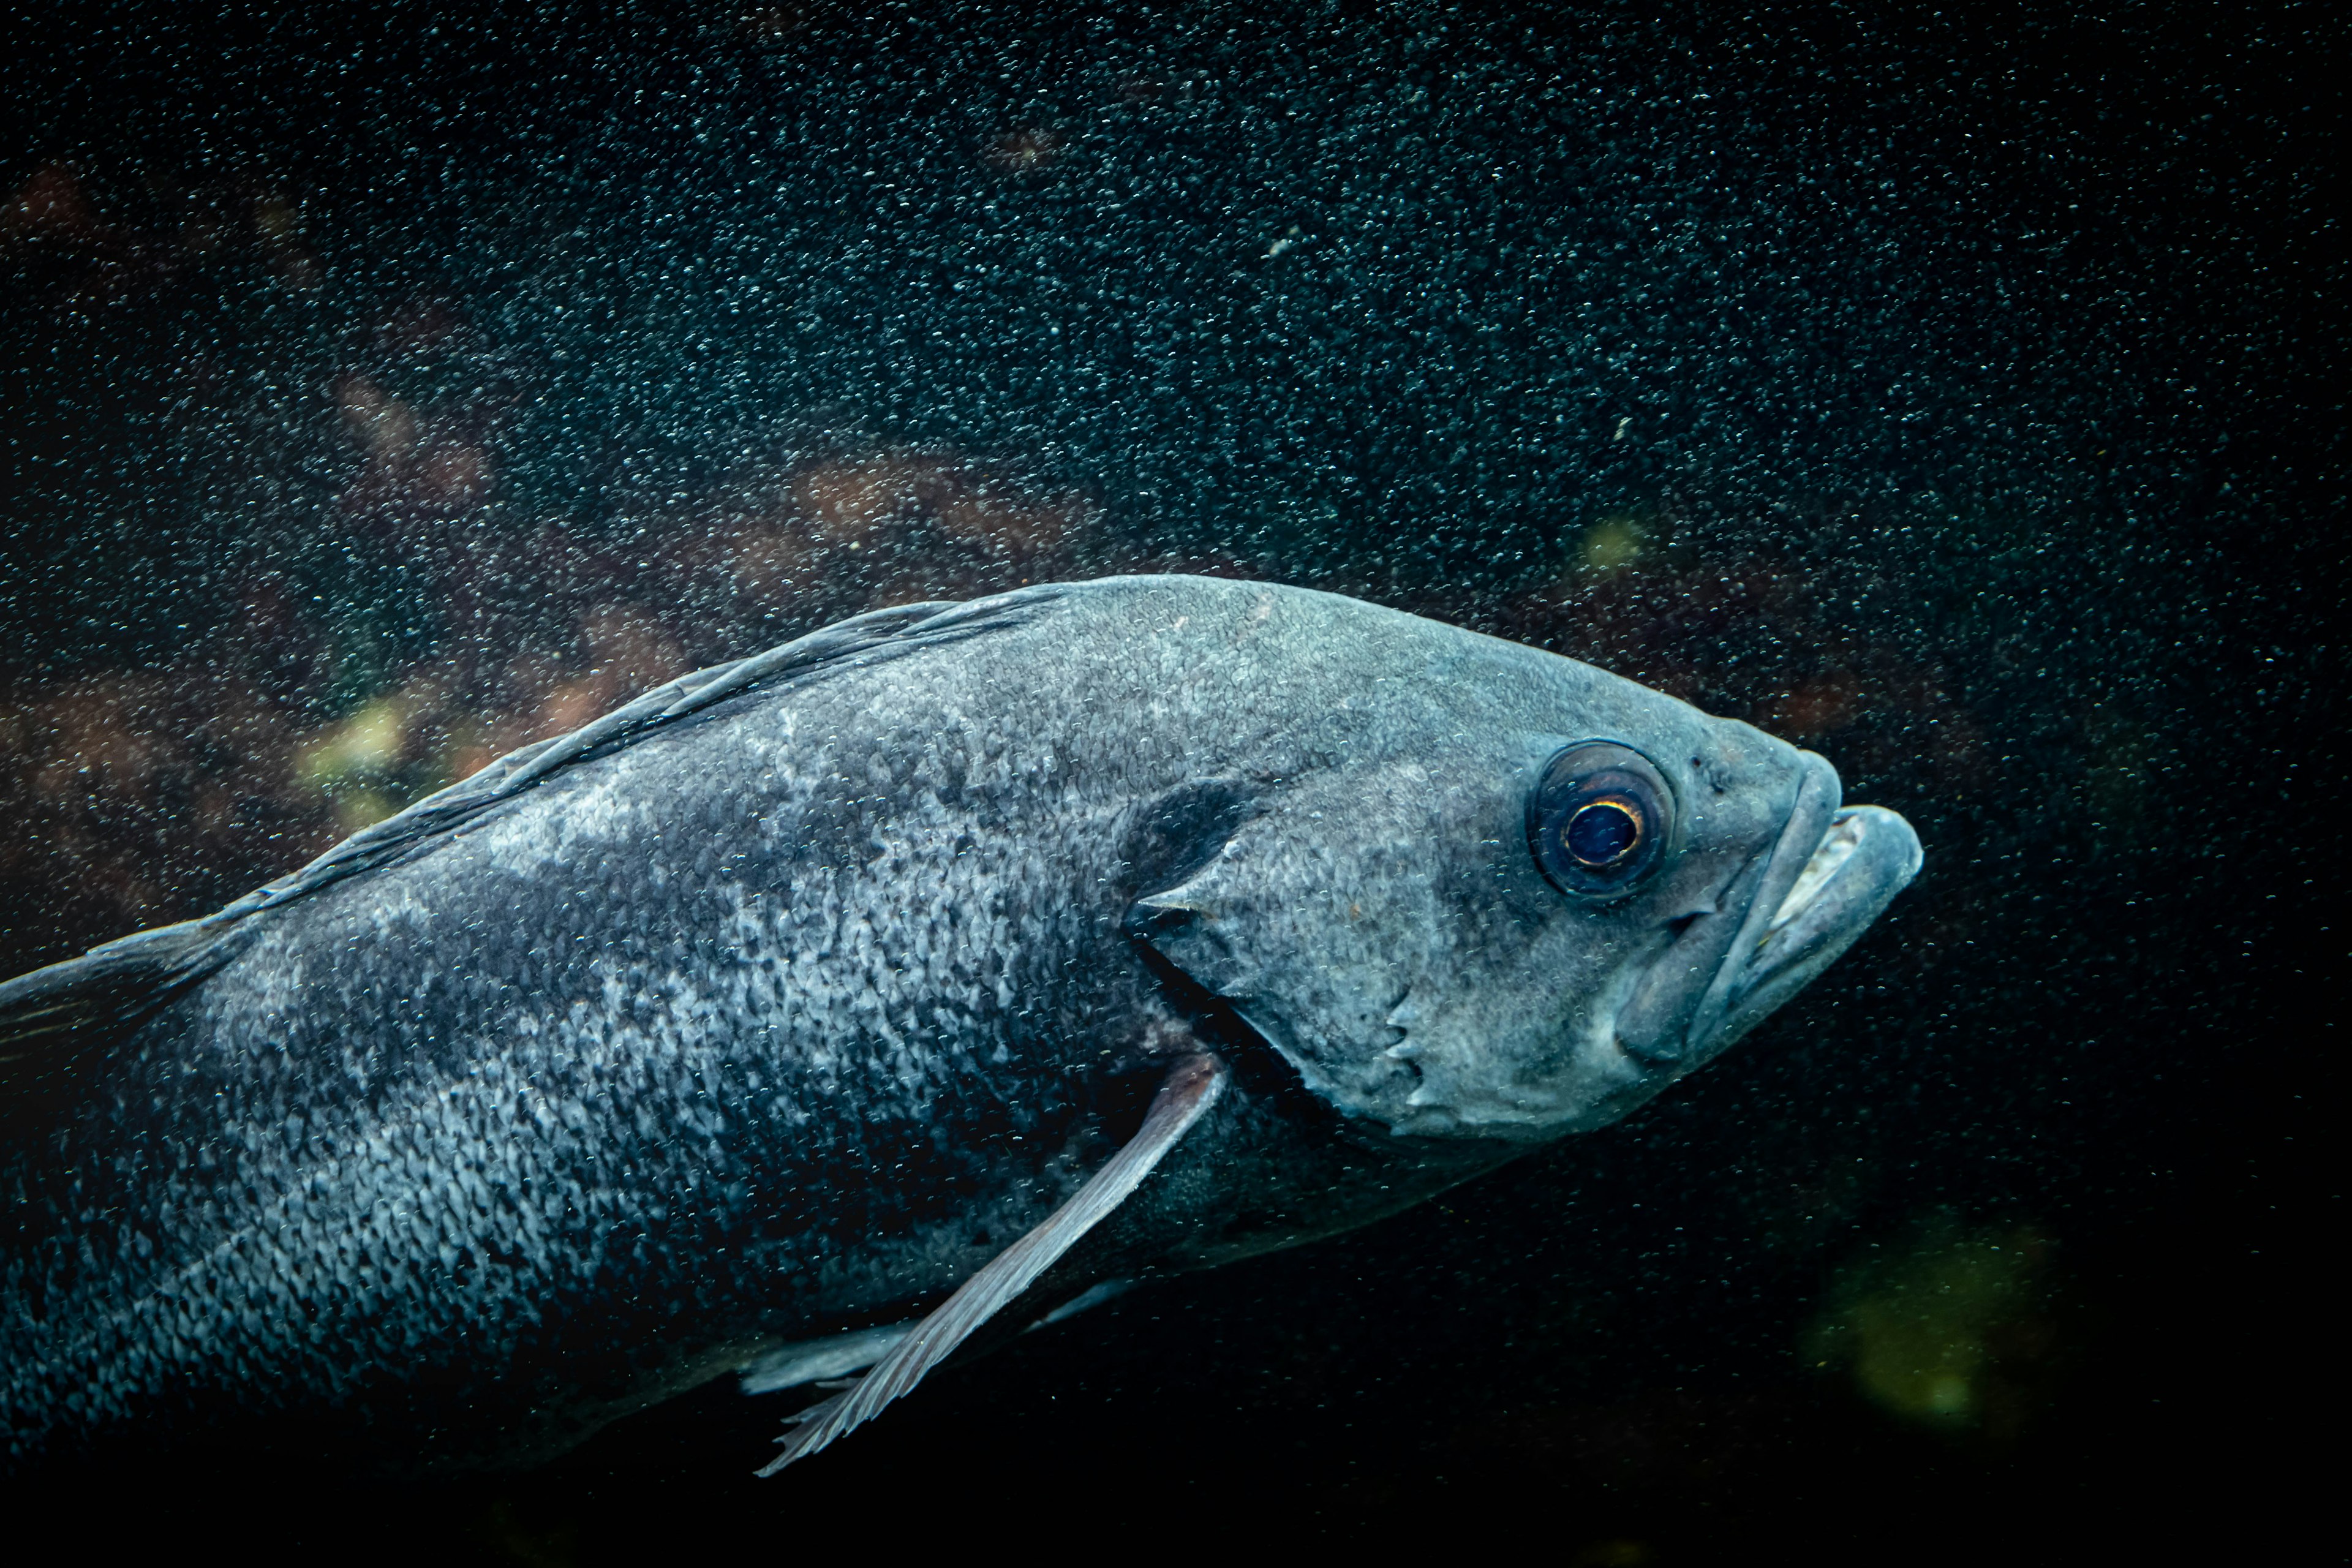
(1190, 1089)
(815, 1361)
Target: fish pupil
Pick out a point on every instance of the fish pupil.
(1602, 833)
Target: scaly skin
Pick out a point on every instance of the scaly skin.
(788, 1015)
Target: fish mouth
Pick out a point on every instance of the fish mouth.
(1866, 857)
(1833, 870)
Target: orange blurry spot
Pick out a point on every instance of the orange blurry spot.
(51, 205)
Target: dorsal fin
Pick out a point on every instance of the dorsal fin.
(105, 986)
(54, 1019)
(85, 1002)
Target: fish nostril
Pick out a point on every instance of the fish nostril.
(1681, 923)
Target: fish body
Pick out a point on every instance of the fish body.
(778, 1004)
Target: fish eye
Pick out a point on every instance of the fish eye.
(1599, 819)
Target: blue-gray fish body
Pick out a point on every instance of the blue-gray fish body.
(780, 1003)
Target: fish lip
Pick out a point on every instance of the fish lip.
(1862, 857)
(1786, 917)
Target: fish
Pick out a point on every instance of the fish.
(828, 1016)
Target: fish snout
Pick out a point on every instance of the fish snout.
(1795, 905)
(1866, 857)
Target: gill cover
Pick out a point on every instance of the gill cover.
(1304, 908)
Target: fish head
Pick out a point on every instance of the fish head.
(1521, 896)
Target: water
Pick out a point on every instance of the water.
(1931, 390)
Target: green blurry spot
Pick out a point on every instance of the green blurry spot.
(368, 743)
(1945, 1329)
(1614, 1554)
(362, 808)
(1614, 544)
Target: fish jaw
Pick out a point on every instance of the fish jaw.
(1866, 855)
(1800, 904)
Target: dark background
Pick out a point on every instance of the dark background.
(1958, 391)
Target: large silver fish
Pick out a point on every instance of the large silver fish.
(876, 998)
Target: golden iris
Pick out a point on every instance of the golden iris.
(1602, 834)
